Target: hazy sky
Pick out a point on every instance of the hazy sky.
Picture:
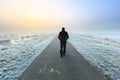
(51, 15)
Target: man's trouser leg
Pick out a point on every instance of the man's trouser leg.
(64, 51)
(61, 49)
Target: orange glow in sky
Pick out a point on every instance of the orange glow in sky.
(77, 15)
(32, 14)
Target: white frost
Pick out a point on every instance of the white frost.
(103, 53)
(17, 53)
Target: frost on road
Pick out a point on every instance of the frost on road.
(103, 53)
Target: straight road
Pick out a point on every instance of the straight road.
(50, 66)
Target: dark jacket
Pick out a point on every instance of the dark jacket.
(63, 36)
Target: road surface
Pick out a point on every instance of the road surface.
(50, 66)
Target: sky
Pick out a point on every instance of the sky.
(51, 15)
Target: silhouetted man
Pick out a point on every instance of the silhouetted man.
(63, 36)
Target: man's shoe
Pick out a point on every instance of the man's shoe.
(61, 56)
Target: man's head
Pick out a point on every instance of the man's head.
(63, 29)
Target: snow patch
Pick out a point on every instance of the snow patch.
(19, 52)
(103, 53)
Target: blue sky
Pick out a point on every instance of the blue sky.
(75, 15)
(96, 14)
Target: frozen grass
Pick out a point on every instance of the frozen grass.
(18, 52)
(103, 53)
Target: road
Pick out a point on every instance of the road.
(50, 66)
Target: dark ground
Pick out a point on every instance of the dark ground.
(50, 66)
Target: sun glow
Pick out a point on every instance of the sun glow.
(34, 14)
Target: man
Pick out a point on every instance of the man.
(63, 36)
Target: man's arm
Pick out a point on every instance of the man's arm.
(59, 37)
